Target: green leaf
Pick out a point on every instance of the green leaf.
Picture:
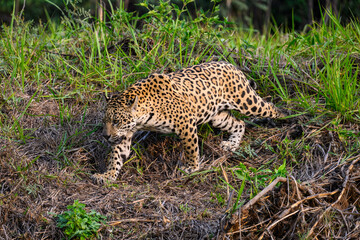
(77, 223)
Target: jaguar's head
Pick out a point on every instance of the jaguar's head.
(119, 117)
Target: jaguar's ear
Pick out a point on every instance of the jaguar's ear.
(132, 103)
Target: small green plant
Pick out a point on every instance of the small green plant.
(184, 208)
(257, 178)
(33, 189)
(79, 224)
(220, 199)
(250, 152)
(280, 171)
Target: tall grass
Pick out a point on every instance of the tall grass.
(340, 84)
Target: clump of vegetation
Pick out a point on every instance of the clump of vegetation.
(79, 224)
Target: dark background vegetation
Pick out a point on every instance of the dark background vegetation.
(247, 13)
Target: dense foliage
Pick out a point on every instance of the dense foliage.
(247, 13)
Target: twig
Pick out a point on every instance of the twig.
(218, 161)
(319, 195)
(299, 197)
(276, 222)
(321, 171)
(314, 81)
(355, 189)
(270, 234)
(130, 220)
(114, 223)
(227, 181)
(351, 213)
(236, 216)
(263, 192)
(249, 228)
(23, 7)
(344, 219)
(229, 199)
(7, 237)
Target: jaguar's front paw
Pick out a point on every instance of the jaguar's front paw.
(101, 179)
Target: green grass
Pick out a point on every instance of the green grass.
(88, 58)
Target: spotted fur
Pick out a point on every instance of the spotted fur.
(177, 103)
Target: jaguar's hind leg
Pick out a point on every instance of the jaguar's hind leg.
(226, 122)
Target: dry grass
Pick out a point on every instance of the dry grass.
(153, 200)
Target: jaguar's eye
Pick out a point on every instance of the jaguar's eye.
(115, 121)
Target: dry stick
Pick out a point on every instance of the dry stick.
(7, 237)
(351, 213)
(218, 161)
(299, 197)
(327, 153)
(263, 192)
(288, 191)
(257, 197)
(114, 223)
(315, 178)
(337, 200)
(229, 200)
(311, 192)
(227, 181)
(270, 234)
(344, 219)
(354, 234)
(319, 195)
(286, 213)
(291, 229)
(248, 228)
(274, 224)
(355, 189)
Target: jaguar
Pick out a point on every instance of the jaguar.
(176, 103)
